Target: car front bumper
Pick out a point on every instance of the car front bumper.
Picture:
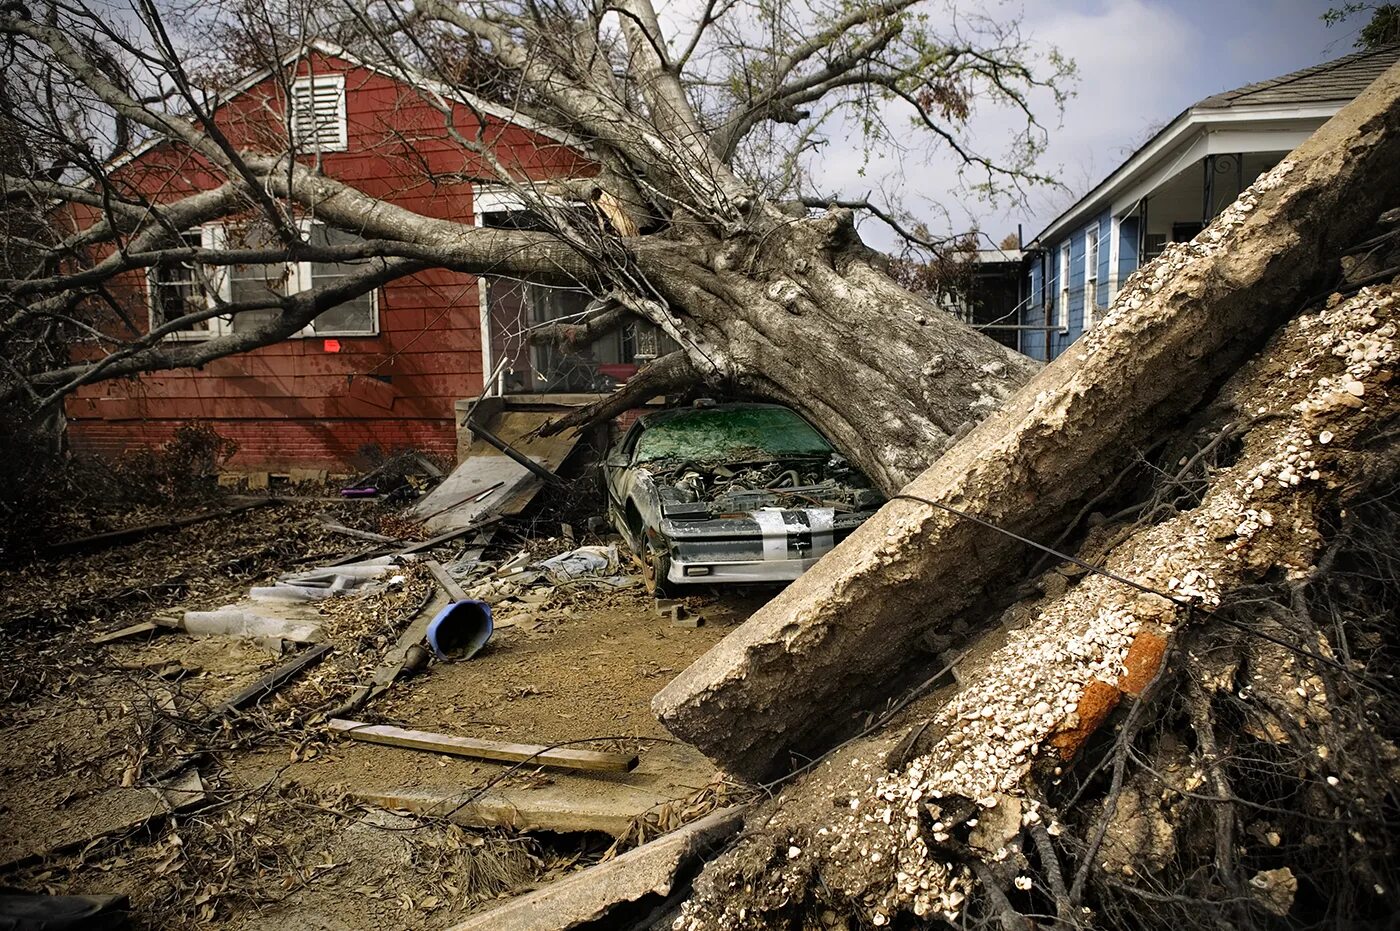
(771, 545)
(784, 570)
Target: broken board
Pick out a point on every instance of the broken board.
(551, 808)
(593, 894)
(271, 682)
(489, 482)
(96, 816)
(480, 794)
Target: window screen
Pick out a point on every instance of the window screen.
(177, 289)
(355, 315)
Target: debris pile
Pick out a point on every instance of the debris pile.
(259, 707)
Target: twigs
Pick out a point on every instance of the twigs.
(1007, 916)
(1210, 755)
(1137, 719)
(1054, 877)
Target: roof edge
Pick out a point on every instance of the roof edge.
(1176, 132)
(411, 79)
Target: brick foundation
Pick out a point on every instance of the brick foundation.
(277, 445)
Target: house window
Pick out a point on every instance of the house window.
(258, 282)
(318, 112)
(1062, 305)
(181, 288)
(1091, 274)
(359, 315)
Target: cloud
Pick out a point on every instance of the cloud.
(1140, 63)
(1124, 83)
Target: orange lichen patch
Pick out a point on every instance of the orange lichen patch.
(1144, 659)
(1098, 700)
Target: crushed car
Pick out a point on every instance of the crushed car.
(740, 492)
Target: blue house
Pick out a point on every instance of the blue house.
(1170, 188)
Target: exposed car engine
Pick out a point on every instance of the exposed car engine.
(693, 491)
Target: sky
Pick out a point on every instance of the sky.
(1140, 63)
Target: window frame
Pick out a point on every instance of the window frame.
(210, 237)
(299, 279)
(308, 83)
(305, 282)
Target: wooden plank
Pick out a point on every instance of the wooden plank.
(135, 630)
(591, 895)
(450, 535)
(561, 757)
(343, 530)
(272, 681)
(539, 810)
(115, 537)
(448, 584)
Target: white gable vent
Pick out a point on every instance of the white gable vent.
(318, 112)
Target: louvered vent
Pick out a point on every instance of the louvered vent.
(318, 113)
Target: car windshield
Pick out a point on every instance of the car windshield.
(731, 435)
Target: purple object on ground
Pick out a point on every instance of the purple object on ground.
(369, 492)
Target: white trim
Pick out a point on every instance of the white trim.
(1062, 292)
(1177, 135)
(304, 281)
(503, 198)
(1115, 237)
(210, 237)
(1092, 234)
(497, 198)
(214, 236)
(488, 365)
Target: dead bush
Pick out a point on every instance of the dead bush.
(187, 465)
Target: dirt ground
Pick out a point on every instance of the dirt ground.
(276, 824)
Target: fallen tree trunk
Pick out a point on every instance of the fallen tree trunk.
(847, 635)
(1242, 645)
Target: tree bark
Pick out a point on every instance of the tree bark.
(802, 312)
(845, 636)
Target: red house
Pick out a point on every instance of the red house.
(383, 370)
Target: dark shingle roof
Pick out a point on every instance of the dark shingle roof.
(1342, 79)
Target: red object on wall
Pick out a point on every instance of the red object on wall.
(314, 402)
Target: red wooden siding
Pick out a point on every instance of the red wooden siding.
(298, 403)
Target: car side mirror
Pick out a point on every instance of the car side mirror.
(616, 462)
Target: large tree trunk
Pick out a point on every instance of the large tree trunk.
(799, 310)
(1256, 749)
(800, 673)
